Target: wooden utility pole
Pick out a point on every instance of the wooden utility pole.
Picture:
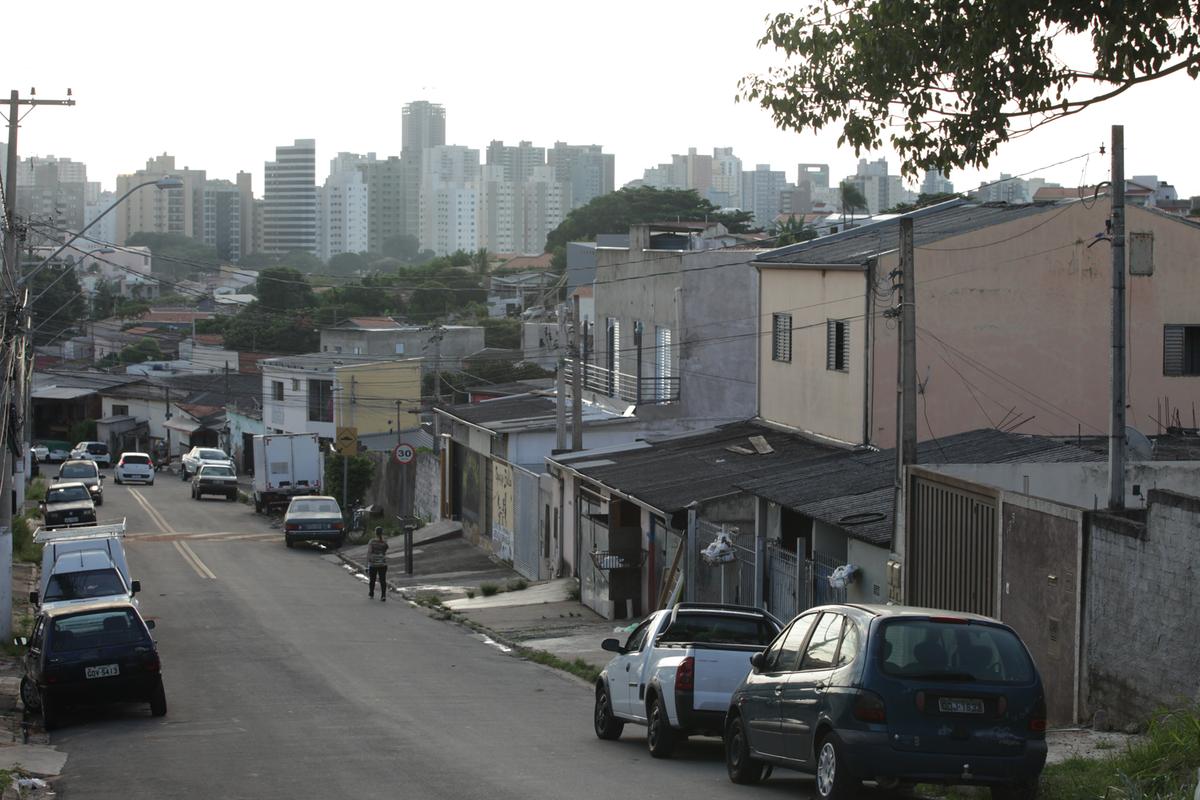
(1116, 424)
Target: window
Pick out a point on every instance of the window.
(918, 648)
(295, 384)
(822, 647)
(399, 348)
(662, 363)
(786, 652)
(837, 345)
(120, 411)
(637, 638)
(277, 391)
(320, 401)
(1181, 350)
(850, 644)
(781, 337)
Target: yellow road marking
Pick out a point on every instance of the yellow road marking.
(155, 517)
(194, 560)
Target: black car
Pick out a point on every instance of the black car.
(87, 473)
(215, 479)
(98, 652)
(68, 504)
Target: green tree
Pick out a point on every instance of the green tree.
(961, 76)
(257, 260)
(792, 231)
(146, 349)
(360, 472)
(259, 330)
(284, 289)
(58, 303)
(852, 199)
(104, 301)
(922, 201)
(402, 247)
(501, 332)
(347, 264)
(302, 260)
(177, 257)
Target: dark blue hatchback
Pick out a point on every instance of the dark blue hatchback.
(895, 695)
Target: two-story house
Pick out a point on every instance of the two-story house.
(443, 345)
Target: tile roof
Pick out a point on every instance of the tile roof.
(930, 224)
(528, 262)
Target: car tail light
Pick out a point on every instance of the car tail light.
(1037, 720)
(337, 526)
(152, 664)
(1001, 706)
(949, 620)
(291, 526)
(868, 707)
(920, 701)
(685, 675)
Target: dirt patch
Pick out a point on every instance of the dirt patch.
(1067, 743)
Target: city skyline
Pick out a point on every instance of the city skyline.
(582, 87)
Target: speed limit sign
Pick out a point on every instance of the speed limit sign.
(404, 453)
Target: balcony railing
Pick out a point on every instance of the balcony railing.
(650, 390)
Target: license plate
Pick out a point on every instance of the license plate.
(70, 519)
(105, 671)
(960, 705)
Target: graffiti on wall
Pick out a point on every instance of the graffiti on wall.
(502, 509)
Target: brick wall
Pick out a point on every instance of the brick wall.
(1143, 609)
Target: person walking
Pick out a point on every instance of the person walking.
(377, 564)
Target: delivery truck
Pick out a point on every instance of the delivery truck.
(286, 465)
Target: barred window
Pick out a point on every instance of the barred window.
(781, 337)
(1181, 350)
(837, 345)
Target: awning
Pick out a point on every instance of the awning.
(182, 424)
(61, 393)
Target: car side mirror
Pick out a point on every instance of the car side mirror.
(150, 624)
(135, 587)
(756, 661)
(612, 646)
(33, 598)
(21, 641)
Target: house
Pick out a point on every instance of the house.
(320, 392)
(1012, 316)
(61, 398)
(444, 345)
(509, 295)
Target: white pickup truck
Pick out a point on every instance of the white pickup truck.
(677, 670)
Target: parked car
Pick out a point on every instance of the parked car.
(893, 694)
(96, 652)
(68, 504)
(41, 451)
(81, 563)
(314, 518)
(35, 464)
(95, 451)
(135, 467)
(215, 479)
(56, 450)
(676, 672)
(87, 473)
(193, 458)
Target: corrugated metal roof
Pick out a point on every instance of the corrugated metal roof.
(930, 224)
(524, 406)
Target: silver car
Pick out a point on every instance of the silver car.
(314, 518)
(193, 459)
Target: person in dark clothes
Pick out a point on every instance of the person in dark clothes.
(377, 564)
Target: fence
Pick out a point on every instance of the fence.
(725, 565)
(795, 584)
(525, 530)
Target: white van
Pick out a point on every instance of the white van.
(85, 563)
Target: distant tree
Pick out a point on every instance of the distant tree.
(284, 288)
(792, 231)
(501, 332)
(146, 349)
(177, 257)
(257, 261)
(402, 247)
(302, 260)
(360, 472)
(256, 329)
(104, 301)
(852, 199)
(347, 264)
(480, 261)
(58, 303)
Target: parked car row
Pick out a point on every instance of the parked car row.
(850, 693)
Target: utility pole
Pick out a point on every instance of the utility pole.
(560, 383)
(580, 329)
(906, 369)
(1116, 424)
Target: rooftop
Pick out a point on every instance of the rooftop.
(523, 412)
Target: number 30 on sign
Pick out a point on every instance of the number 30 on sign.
(404, 453)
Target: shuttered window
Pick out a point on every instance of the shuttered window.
(837, 345)
(781, 337)
(1181, 350)
(662, 362)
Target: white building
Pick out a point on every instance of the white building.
(936, 183)
(290, 199)
(450, 178)
(343, 207)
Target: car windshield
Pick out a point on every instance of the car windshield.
(95, 629)
(97, 448)
(77, 471)
(212, 455)
(223, 472)
(88, 583)
(718, 629)
(314, 507)
(130, 458)
(931, 649)
(67, 494)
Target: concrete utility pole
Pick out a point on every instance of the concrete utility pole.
(580, 329)
(1116, 424)
(906, 377)
(13, 357)
(560, 383)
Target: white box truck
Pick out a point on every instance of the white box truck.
(286, 465)
(81, 564)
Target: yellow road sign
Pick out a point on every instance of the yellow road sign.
(346, 441)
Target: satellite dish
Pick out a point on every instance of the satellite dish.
(1137, 445)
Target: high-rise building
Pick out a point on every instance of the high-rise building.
(726, 189)
(423, 125)
(936, 182)
(223, 215)
(98, 203)
(518, 162)
(290, 199)
(51, 195)
(389, 198)
(343, 203)
(250, 213)
(150, 210)
(449, 199)
(586, 169)
(761, 190)
(881, 190)
(547, 201)
(516, 217)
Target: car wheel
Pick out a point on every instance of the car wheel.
(606, 724)
(660, 736)
(232, 498)
(29, 695)
(158, 701)
(50, 716)
(257, 504)
(288, 541)
(99, 501)
(834, 781)
(183, 476)
(150, 482)
(1028, 790)
(117, 479)
(743, 768)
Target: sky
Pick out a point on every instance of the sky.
(220, 84)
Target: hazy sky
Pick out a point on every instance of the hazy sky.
(220, 84)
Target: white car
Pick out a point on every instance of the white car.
(197, 456)
(135, 467)
(93, 451)
(41, 451)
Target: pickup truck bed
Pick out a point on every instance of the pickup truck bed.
(677, 671)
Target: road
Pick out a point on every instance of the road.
(284, 681)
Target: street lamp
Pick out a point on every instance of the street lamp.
(166, 182)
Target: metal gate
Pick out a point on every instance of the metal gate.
(952, 548)
(725, 565)
(525, 523)
(796, 584)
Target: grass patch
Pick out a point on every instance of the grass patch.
(35, 490)
(577, 667)
(470, 594)
(24, 548)
(488, 589)
(517, 584)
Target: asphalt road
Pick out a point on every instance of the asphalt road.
(284, 681)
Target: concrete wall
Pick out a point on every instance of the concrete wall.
(458, 341)
(803, 393)
(387, 492)
(1143, 609)
(871, 585)
(153, 412)
(374, 389)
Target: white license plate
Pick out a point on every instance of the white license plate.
(105, 671)
(70, 519)
(959, 705)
